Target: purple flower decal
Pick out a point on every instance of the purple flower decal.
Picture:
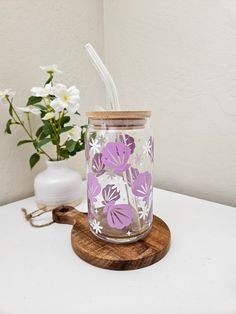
(142, 186)
(119, 216)
(93, 188)
(151, 151)
(128, 141)
(110, 194)
(98, 166)
(131, 175)
(115, 155)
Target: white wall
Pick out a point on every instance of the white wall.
(178, 58)
(34, 33)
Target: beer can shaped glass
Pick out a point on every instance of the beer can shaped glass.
(119, 151)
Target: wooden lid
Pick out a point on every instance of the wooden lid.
(118, 114)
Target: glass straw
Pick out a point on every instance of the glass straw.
(111, 89)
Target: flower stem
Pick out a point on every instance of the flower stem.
(29, 133)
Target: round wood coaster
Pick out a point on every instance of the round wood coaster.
(114, 256)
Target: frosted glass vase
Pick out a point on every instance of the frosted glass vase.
(58, 185)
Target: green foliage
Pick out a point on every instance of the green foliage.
(39, 131)
(8, 126)
(24, 142)
(66, 129)
(42, 142)
(70, 145)
(49, 79)
(33, 100)
(34, 159)
(53, 130)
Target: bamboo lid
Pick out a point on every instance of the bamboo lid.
(126, 114)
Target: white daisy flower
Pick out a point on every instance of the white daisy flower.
(95, 146)
(42, 91)
(6, 92)
(96, 226)
(49, 115)
(50, 69)
(147, 148)
(66, 98)
(74, 134)
(30, 109)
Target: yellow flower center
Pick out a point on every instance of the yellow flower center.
(66, 98)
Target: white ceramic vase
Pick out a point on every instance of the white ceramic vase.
(58, 185)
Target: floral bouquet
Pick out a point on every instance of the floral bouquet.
(55, 105)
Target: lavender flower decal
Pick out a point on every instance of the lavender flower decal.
(98, 166)
(128, 141)
(142, 186)
(118, 215)
(115, 155)
(110, 195)
(93, 188)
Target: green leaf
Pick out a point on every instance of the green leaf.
(24, 142)
(49, 80)
(33, 160)
(64, 153)
(42, 142)
(47, 128)
(65, 120)
(40, 107)
(33, 100)
(70, 145)
(39, 131)
(10, 110)
(8, 127)
(42, 135)
(66, 128)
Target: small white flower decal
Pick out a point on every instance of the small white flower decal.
(138, 159)
(147, 148)
(96, 226)
(143, 213)
(94, 146)
(110, 174)
(101, 139)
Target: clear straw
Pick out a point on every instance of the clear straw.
(110, 86)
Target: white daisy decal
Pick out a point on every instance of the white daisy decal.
(147, 148)
(96, 226)
(143, 213)
(94, 145)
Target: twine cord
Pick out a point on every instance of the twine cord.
(36, 213)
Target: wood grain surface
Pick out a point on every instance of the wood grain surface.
(114, 256)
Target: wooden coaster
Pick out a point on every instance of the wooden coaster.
(102, 254)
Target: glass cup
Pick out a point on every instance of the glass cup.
(119, 152)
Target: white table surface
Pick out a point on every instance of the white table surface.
(40, 274)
